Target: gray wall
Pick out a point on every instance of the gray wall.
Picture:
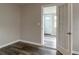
(9, 23)
(76, 27)
(30, 29)
(20, 22)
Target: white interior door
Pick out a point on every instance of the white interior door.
(64, 29)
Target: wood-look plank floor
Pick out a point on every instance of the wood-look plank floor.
(50, 41)
(21, 48)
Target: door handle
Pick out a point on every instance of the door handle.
(69, 33)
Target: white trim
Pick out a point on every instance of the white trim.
(31, 43)
(57, 29)
(9, 43)
(76, 52)
(71, 28)
(20, 41)
(64, 51)
(42, 26)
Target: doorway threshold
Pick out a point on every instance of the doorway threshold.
(50, 41)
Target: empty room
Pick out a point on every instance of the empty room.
(39, 29)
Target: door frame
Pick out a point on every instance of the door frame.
(42, 23)
(42, 26)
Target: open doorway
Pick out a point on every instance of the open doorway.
(49, 18)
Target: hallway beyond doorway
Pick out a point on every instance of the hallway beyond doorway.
(50, 41)
(49, 23)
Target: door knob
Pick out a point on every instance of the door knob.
(69, 33)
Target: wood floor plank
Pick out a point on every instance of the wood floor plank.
(21, 48)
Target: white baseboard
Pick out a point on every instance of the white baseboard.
(31, 43)
(76, 52)
(21, 41)
(9, 43)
